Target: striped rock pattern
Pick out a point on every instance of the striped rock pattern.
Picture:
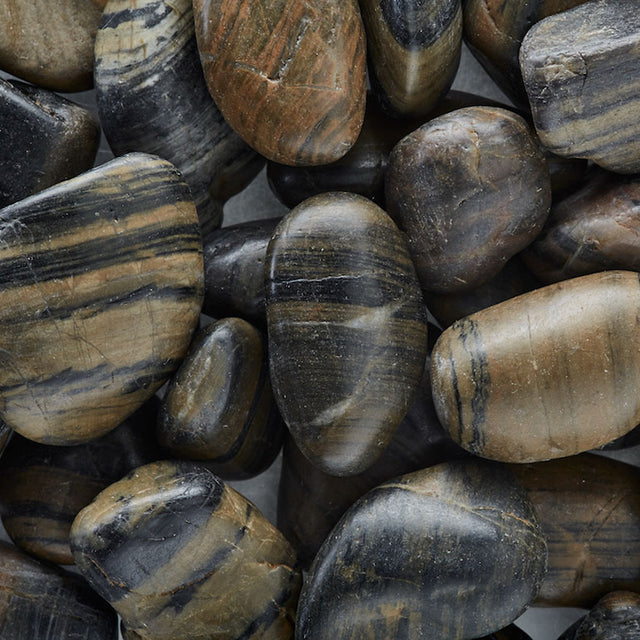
(152, 97)
(178, 554)
(588, 508)
(446, 553)
(289, 76)
(100, 290)
(347, 329)
(219, 407)
(581, 70)
(40, 602)
(49, 44)
(42, 487)
(414, 51)
(548, 374)
(44, 139)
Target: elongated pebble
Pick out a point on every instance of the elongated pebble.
(548, 374)
(178, 554)
(100, 290)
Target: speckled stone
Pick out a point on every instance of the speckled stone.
(449, 552)
(101, 283)
(347, 329)
(178, 554)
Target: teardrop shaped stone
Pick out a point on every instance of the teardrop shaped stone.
(100, 290)
(548, 374)
(288, 75)
(179, 554)
(449, 552)
(347, 329)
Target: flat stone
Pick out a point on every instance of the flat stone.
(289, 77)
(179, 554)
(580, 70)
(347, 329)
(50, 45)
(100, 290)
(219, 408)
(548, 374)
(470, 189)
(152, 97)
(414, 51)
(449, 552)
(41, 602)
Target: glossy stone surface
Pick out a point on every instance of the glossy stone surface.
(579, 69)
(49, 44)
(414, 51)
(152, 97)
(100, 290)
(234, 260)
(42, 487)
(179, 554)
(44, 139)
(288, 77)
(548, 374)
(470, 189)
(449, 552)
(596, 228)
(40, 602)
(347, 329)
(219, 407)
(588, 508)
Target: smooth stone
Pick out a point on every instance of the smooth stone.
(289, 77)
(50, 45)
(580, 70)
(494, 30)
(595, 228)
(44, 487)
(179, 554)
(234, 260)
(219, 408)
(44, 139)
(589, 510)
(414, 51)
(470, 189)
(152, 97)
(548, 374)
(101, 284)
(449, 552)
(41, 602)
(347, 329)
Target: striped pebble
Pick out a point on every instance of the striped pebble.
(178, 554)
(101, 283)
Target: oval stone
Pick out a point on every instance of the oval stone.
(100, 290)
(347, 329)
(548, 374)
(289, 77)
(449, 552)
(179, 554)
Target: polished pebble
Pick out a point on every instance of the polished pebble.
(588, 508)
(449, 552)
(289, 76)
(470, 189)
(41, 602)
(44, 139)
(152, 97)
(101, 283)
(347, 329)
(178, 554)
(42, 487)
(548, 374)
(581, 70)
(219, 408)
